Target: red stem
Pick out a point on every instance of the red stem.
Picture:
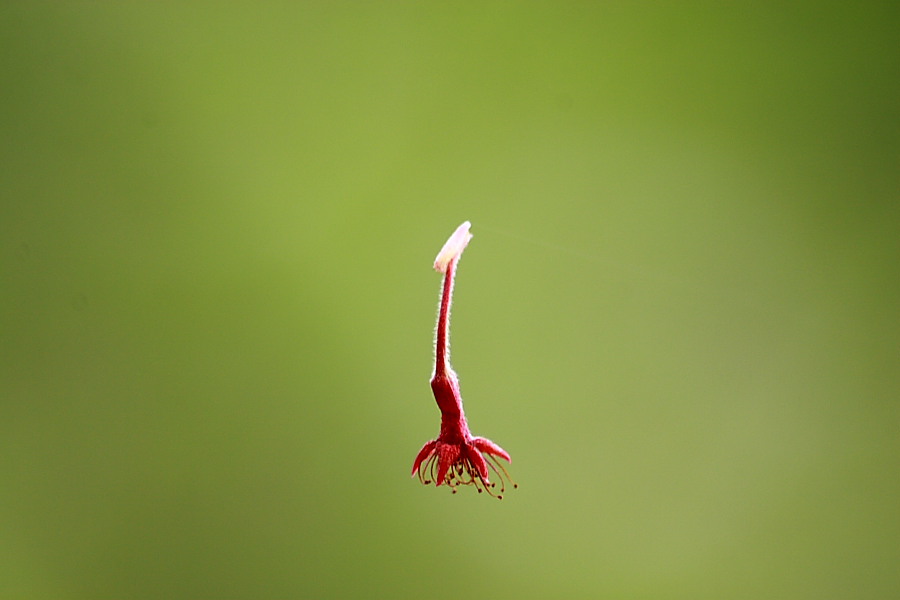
(442, 344)
(444, 383)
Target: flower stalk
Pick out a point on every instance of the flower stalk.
(456, 457)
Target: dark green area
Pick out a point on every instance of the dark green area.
(679, 312)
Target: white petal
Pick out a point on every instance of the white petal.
(453, 248)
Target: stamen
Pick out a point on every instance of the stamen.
(465, 472)
(498, 468)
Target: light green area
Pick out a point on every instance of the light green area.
(679, 312)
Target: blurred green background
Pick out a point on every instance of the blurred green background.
(679, 312)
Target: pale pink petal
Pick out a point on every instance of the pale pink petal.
(453, 248)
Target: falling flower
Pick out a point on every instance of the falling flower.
(456, 457)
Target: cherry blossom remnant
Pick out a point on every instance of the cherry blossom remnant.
(456, 457)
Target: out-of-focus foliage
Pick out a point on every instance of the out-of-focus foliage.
(679, 312)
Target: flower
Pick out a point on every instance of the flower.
(456, 457)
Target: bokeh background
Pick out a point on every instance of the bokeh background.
(679, 312)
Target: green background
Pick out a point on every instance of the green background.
(679, 312)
